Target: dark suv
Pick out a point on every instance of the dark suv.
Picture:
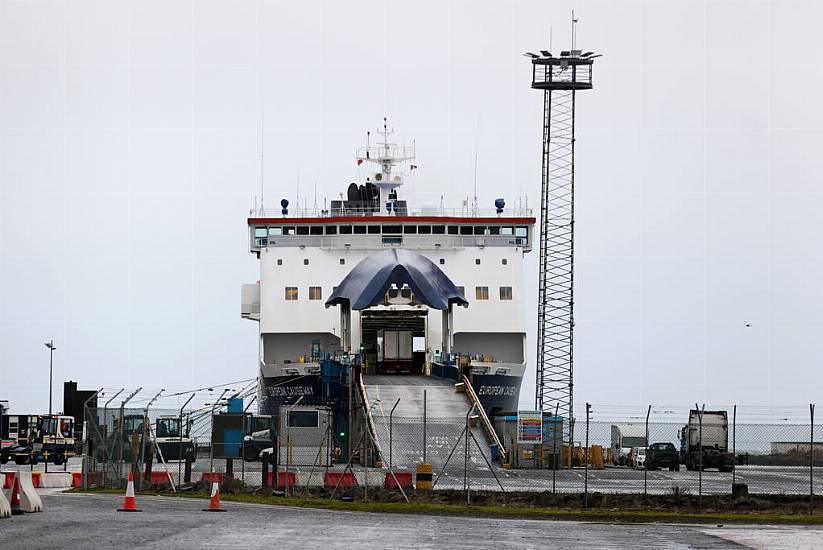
(661, 455)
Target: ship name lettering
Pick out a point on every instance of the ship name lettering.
(507, 391)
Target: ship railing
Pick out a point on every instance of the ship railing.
(361, 388)
(484, 418)
(431, 211)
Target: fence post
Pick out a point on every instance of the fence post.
(700, 450)
(391, 434)
(424, 426)
(734, 447)
(554, 447)
(811, 458)
(645, 469)
(586, 460)
(466, 482)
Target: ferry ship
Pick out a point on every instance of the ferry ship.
(412, 292)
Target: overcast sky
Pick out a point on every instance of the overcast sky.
(130, 139)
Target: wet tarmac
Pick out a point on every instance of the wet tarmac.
(91, 521)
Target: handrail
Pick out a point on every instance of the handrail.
(370, 420)
(484, 417)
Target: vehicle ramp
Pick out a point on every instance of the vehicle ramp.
(401, 434)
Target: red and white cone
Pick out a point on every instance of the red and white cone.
(129, 504)
(14, 501)
(214, 501)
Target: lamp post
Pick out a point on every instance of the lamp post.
(50, 345)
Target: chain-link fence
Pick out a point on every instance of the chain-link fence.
(704, 453)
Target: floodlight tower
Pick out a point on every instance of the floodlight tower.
(560, 78)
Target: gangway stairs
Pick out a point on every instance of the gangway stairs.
(400, 434)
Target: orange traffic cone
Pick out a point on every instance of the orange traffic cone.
(214, 501)
(15, 496)
(129, 504)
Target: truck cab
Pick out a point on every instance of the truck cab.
(54, 439)
(258, 436)
(173, 440)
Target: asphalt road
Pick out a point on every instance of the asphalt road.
(91, 521)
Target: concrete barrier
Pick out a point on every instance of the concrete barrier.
(212, 477)
(345, 479)
(282, 479)
(157, 478)
(5, 507)
(55, 480)
(403, 478)
(29, 499)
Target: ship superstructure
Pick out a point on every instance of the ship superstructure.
(410, 291)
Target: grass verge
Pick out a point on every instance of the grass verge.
(504, 512)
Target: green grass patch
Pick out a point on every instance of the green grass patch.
(504, 511)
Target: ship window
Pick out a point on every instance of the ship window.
(392, 229)
(462, 290)
(374, 230)
(442, 261)
(303, 419)
(279, 261)
(439, 229)
(302, 230)
(504, 261)
(481, 292)
(494, 230)
(507, 231)
(288, 231)
(345, 230)
(273, 231)
(291, 293)
(260, 232)
(465, 230)
(342, 261)
(521, 232)
(424, 229)
(477, 261)
(316, 292)
(359, 229)
(453, 230)
(388, 239)
(305, 261)
(316, 230)
(505, 293)
(480, 230)
(331, 230)
(410, 229)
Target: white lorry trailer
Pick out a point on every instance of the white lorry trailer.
(704, 443)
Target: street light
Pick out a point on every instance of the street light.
(50, 345)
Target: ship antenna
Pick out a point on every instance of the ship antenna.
(315, 195)
(476, 145)
(262, 144)
(298, 188)
(574, 31)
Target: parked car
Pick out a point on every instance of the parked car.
(663, 455)
(639, 457)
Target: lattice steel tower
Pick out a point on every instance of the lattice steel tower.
(560, 78)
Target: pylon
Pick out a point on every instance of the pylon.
(129, 504)
(214, 501)
(15, 496)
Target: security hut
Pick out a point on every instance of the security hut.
(534, 438)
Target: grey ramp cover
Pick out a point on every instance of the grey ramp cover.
(368, 282)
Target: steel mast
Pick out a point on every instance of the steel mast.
(559, 78)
